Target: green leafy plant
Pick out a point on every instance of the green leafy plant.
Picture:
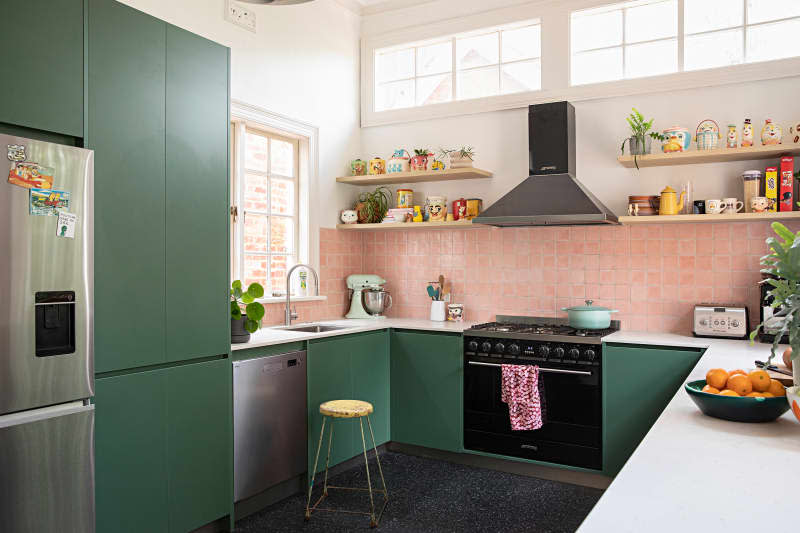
(372, 206)
(253, 309)
(466, 152)
(782, 266)
(640, 130)
(422, 151)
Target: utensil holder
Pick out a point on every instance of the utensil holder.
(438, 311)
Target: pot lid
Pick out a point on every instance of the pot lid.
(588, 307)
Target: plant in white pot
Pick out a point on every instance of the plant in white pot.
(640, 141)
(459, 157)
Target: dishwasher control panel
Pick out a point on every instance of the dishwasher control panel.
(721, 321)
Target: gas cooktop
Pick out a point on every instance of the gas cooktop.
(535, 328)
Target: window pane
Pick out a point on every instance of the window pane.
(773, 41)
(524, 76)
(651, 21)
(435, 58)
(256, 194)
(707, 15)
(522, 43)
(282, 158)
(717, 49)
(477, 51)
(435, 89)
(764, 10)
(256, 233)
(395, 65)
(282, 232)
(256, 268)
(597, 66)
(255, 152)
(477, 83)
(282, 196)
(651, 59)
(394, 95)
(596, 29)
(279, 265)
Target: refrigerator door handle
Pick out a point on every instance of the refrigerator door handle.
(43, 413)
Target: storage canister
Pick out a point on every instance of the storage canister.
(752, 180)
(405, 198)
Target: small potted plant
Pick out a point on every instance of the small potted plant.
(640, 141)
(243, 324)
(420, 160)
(459, 158)
(372, 206)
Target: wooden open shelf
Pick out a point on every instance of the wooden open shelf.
(411, 225)
(736, 217)
(718, 155)
(417, 177)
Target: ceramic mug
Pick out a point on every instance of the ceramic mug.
(699, 207)
(715, 206)
(732, 205)
(760, 204)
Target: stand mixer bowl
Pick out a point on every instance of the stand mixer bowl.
(376, 301)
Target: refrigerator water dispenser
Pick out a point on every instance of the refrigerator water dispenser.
(55, 323)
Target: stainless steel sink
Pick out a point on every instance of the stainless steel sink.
(313, 328)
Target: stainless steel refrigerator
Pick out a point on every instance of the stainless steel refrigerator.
(46, 337)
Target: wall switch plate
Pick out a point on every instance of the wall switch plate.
(240, 15)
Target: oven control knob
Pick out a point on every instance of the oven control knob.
(513, 349)
(735, 323)
(472, 346)
(574, 353)
(559, 352)
(544, 350)
(499, 348)
(589, 355)
(486, 347)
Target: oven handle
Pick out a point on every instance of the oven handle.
(553, 370)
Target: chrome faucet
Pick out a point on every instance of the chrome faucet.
(292, 315)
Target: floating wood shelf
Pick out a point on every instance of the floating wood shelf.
(718, 155)
(417, 177)
(736, 217)
(411, 225)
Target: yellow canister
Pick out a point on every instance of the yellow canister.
(405, 198)
(474, 207)
(377, 166)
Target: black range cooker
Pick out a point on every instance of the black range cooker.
(570, 381)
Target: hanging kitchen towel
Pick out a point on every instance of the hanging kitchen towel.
(520, 390)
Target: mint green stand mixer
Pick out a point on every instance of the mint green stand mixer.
(367, 283)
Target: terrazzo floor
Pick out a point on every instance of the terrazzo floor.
(427, 495)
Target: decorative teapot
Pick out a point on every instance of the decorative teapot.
(398, 161)
(671, 203)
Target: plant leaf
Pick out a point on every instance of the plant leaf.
(237, 293)
(236, 313)
(247, 298)
(237, 284)
(254, 310)
(255, 290)
(251, 325)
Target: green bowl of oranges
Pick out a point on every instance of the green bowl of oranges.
(739, 396)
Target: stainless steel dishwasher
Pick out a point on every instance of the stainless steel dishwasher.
(269, 422)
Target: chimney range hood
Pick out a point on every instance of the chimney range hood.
(550, 195)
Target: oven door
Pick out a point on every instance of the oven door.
(571, 400)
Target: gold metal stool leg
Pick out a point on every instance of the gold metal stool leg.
(328, 460)
(314, 472)
(380, 471)
(372, 521)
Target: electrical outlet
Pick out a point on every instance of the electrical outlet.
(240, 15)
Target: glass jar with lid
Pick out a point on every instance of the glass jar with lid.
(752, 185)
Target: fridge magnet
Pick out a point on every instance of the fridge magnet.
(31, 175)
(16, 152)
(48, 202)
(66, 225)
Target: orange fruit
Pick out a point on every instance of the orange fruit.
(760, 380)
(787, 357)
(776, 388)
(737, 371)
(755, 394)
(710, 389)
(717, 378)
(740, 384)
(767, 394)
(728, 392)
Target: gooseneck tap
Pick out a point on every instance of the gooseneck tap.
(291, 315)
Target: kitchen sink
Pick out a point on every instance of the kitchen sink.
(314, 328)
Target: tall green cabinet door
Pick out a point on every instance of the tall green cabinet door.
(131, 453)
(197, 253)
(638, 383)
(42, 44)
(127, 66)
(199, 443)
(427, 386)
(369, 361)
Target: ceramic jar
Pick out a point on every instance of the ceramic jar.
(405, 198)
(437, 207)
(398, 162)
(678, 140)
(349, 216)
(732, 138)
(747, 133)
(377, 166)
(419, 163)
(474, 207)
(358, 167)
(459, 209)
(771, 133)
(707, 135)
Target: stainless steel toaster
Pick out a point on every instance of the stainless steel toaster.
(721, 321)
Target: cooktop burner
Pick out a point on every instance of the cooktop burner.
(534, 327)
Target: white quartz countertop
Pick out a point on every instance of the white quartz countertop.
(696, 473)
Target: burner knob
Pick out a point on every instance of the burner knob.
(513, 349)
(589, 355)
(544, 350)
(472, 346)
(499, 348)
(486, 347)
(559, 352)
(574, 353)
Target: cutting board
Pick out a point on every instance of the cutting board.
(783, 378)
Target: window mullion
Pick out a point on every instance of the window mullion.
(744, 31)
(681, 35)
(499, 62)
(624, 45)
(454, 65)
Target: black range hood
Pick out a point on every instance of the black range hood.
(550, 195)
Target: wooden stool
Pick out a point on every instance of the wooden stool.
(347, 409)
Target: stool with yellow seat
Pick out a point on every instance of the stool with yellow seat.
(347, 409)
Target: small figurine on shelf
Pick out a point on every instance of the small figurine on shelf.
(437, 165)
(398, 162)
(437, 206)
(349, 216)
(377, 166)
(455, 312)
(417, 214)
(732, 137)
(420, 160)
(747, 133)
(358, 167)
(707, 135)
(794, 132)
(771, 133)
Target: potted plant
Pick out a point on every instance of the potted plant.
(459, 158)
(243, 324)
(640, 141)
(420, 160)
(372, 206)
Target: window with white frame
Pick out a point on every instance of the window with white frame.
(482, 63)
(266, 206)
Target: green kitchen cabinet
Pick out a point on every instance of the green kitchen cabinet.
(341, 368)
(42, 44)
(126, 129)
(163, 448)
(638, 383)
(197, 256)
(427, 380)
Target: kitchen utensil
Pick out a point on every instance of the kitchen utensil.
(732, 205)
(671, 203)
(737, 409)
(441, 283)
(376, 301)
(793, 400)
(359, 283)
(431, 292)
(588, 316)
(772, 368)
(438, 312)
(715, 206)
(729, 322)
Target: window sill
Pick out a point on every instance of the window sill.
(282, 299)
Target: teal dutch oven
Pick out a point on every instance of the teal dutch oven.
(588, 316)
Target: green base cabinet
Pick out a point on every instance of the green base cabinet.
(349, 367)
(163, 448)
(638, 383)
(427, 381)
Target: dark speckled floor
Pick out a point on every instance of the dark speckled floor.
(427, 495)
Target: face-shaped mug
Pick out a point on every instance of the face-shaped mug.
(760, 204)
(715, 206)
